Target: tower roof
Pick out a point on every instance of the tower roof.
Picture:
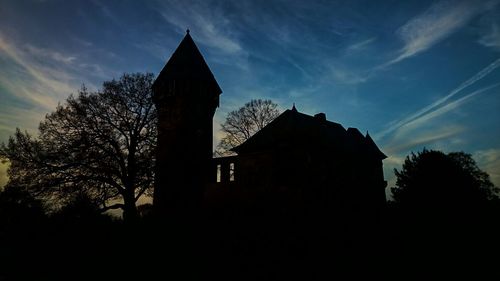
(187, 64)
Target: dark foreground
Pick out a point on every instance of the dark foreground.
(253, 246)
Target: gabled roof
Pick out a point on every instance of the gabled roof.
(293, 127)
(314, 132)
(186, 63)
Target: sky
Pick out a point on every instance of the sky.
(413, 74)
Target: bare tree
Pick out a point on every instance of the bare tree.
(100, 144)
(241, 124)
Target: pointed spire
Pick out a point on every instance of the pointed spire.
(293, 108)
(187, 64)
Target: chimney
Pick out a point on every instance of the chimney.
(320, 116)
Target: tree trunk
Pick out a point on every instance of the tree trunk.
(130, 213)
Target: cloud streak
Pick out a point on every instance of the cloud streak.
(427, 109)
(210, 24)
(408, 141)
(55, 56)
(445, 108)
(45, 81)
(417, 133)
(435, 24)
(33, 81)
(492, 38)
(361, 45)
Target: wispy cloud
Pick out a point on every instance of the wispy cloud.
(492, 37)
(425, 132)
(427, 109)
(209, 23)
(54, 55)
(48, 87)
(407, 140)
(34, 81)
(106, 11)
(425, 118)
(439, 21)
(306, 91)
(348, 76)
(361, 45)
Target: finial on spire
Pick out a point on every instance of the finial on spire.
(293, 108)
(187, 31)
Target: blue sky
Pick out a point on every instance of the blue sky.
(413, 73)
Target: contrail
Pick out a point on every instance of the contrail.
(449, 106)
(478, 76)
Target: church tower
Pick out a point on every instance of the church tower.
(186, 96)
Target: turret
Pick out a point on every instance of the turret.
(186, 96)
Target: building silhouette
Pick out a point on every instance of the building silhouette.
(298, 163)
(186, 96)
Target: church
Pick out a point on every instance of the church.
(297, 164)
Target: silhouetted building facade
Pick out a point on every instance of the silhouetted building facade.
(297, 163)
(186, 96)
